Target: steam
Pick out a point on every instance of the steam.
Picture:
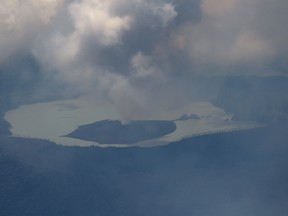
(133, 51)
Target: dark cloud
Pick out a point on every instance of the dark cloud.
(129, 49)
(188, 10)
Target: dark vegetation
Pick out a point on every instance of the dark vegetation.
(235, 173)
(4, 127)
(113, 131)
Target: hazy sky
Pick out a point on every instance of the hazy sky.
(132, 51)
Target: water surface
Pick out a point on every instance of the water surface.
(53, 120)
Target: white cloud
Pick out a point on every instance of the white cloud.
(93, 23)
(234, 32)
(97, 24)
(139, 52)
(22, 21)
(249, 47)
(144, 66)
(129, 101)
(218, 7)
(95, 17)
(74, 40)
(160, 11)
(166, 13)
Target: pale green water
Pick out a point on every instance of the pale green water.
(54, 119)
